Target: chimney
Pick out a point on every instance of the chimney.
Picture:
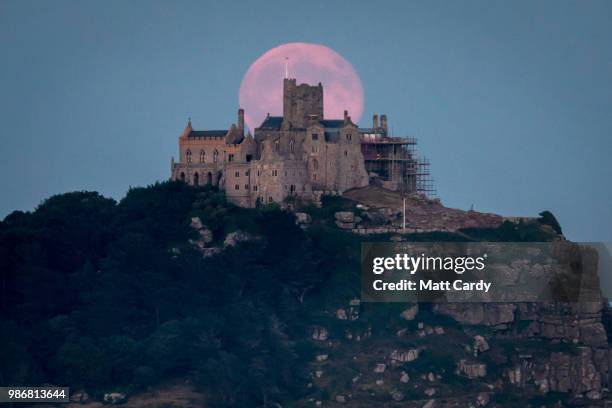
(241, 121)
(383, 122)
(375, 121)
(345, 115)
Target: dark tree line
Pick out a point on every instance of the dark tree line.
(102, 295)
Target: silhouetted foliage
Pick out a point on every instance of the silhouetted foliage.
(106, 295)
(547, 218)
(112, 296)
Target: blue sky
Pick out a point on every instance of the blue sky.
(511, 101)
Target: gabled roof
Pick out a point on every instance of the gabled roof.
(234, 135)
(272, 122)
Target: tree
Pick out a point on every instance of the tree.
(547, 218)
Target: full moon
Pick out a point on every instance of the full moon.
(261, 90)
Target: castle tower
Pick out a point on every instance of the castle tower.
(301, 102)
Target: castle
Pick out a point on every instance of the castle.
(300, 154)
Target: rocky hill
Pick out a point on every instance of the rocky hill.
(172, 292)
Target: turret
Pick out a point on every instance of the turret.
(188, 129)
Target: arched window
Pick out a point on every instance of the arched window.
(315, 164)
(215, 156)
(202, 156)
(209, 178)
(188, 156)
(196, 179)
(291, 145)
(277, 146)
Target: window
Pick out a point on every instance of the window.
(349, 137)
(247, 173)
(345, 153)
(246, 186)
(202, 156)
(277, 146)
(291, 146)
(255, 188)
(258, 173)
(215, 156)
(315, 164)
(249, 157)
(188, 156)
(236, 187)
(237, 174)
(231, 157)
(315, 136)
(275, 172)
(270, 199)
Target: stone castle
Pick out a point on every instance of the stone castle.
(300, 154)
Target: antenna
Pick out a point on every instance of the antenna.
(286, 67)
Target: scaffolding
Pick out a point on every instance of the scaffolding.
(392, 162)
(424, 181)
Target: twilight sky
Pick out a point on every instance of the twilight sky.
(511, 101)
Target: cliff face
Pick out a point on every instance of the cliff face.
(585, 371)
(465, 355)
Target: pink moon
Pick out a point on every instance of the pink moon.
(261, 90)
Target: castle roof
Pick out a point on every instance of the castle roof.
(272, 122)
(208, 133)
(332, 123)
(275, 122)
